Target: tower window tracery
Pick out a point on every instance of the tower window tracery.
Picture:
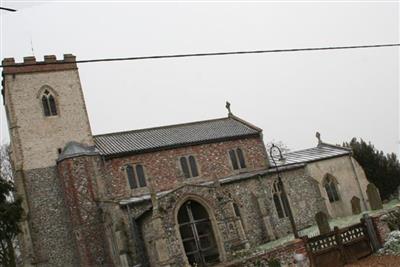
(49, 104)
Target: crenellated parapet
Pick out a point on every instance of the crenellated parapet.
(30, 65)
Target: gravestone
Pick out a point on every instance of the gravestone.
(322, 221)
(374, 198)
(355, 205)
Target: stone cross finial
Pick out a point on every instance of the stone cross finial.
(318, 135)
(228, 107)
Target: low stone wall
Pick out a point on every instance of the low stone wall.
(284, 254)
(381, 227)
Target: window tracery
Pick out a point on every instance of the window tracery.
(280, 201)
(330, 185)
(49, 104)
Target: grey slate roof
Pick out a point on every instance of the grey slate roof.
(75, 149)
(322, 151)
(158, 138)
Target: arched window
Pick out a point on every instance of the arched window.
(237, 159)
(280, 201)
(136, 176)
(189, 166)
(197, 234)
(49, 104)
(330, 185)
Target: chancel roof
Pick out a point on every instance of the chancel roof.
(153, 139)
(322, 151)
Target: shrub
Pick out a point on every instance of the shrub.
(392, 244)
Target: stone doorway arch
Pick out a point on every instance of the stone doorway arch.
(197, 234)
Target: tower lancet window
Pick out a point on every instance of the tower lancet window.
(49, 104)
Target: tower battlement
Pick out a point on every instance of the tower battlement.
(30, 65)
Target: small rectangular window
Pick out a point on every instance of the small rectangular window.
(233, 160)
(193, 166)
(189, 166)
(241, 158)
(185, 167)
(237, 159)
(136, 176)
(140, 175)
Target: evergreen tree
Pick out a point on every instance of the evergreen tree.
(381, 169)
(10, 212)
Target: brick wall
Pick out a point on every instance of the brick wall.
(381, 227)
(81, 195)
(164, 169)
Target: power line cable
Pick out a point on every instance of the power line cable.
(207, 54)
(7, 9)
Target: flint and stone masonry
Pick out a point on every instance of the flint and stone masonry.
(129, 198)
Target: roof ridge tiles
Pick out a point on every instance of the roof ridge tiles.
(245, 122)
(173, 136)
(335, 146)
(160, 127)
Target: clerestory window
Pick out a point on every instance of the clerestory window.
(237, 159)
(135, 175)
(189, 166)
(49, 104)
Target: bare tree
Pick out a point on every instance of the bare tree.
(282, 146)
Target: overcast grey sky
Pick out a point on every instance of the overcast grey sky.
(342, 94)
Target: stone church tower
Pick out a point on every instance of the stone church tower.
(45, 111)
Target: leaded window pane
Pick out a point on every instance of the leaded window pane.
(52, 103)
(278, 206)
(185, 167)
(241, 158)
(285, 203)
(140, 175)
(234, 161)
(131, 177)
(329, 192)
(236, 208)
(46, 108)
(193, 166)
(335, 194)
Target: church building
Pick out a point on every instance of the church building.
(190, 194)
